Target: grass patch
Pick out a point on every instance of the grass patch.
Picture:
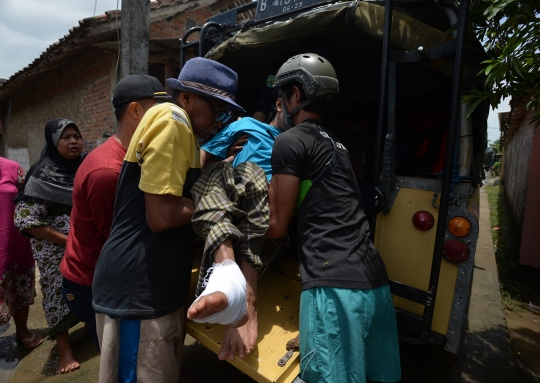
(518, 284)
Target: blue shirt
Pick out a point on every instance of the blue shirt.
(257, 149)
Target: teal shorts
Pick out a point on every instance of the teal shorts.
(348, 336)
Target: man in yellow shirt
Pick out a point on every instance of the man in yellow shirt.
(142, 277)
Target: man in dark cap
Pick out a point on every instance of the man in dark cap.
(94, 192)
(142, 277)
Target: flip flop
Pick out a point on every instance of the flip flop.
(30, 343)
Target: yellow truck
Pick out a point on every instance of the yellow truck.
(403, 68)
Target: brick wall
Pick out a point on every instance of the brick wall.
(176, 26)
(99, 112)
(80, 91)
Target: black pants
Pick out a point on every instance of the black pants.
(79, 301)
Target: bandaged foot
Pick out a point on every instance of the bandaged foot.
(225, 278)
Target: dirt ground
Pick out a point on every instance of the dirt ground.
(524, 328)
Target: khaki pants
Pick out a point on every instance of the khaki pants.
(152, 354)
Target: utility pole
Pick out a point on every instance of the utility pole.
(135, 31)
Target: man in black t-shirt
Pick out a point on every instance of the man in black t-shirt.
(347, 322)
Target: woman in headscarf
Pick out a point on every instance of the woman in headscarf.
(17, 270)
(42, 213)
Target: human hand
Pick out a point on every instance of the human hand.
(236, 147)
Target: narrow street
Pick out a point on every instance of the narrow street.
(485, 356)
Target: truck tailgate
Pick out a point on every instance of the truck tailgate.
(279, 302)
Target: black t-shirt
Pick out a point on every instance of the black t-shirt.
(333, 233)
(142, 274)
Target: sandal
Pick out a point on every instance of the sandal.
(30, 343)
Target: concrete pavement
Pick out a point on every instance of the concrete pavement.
(486, 354)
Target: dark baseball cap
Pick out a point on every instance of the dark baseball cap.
(137, 86)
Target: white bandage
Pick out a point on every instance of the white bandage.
(227, 278)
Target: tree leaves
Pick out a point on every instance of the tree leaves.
(509, 30)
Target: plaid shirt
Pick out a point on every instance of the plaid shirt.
(233, 202)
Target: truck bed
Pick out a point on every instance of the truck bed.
(279, 302)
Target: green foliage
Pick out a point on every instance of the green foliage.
(496, 169)
(509, 30)
(496, 145)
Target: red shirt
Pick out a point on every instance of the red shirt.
(94, 193)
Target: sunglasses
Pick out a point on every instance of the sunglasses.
(221, 116)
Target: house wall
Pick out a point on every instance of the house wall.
(517, 156)
(176, 26)
(21, 156)
(80, 91)
(530, 238)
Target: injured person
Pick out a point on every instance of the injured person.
(232, 215)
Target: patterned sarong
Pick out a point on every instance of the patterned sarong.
(233, 202)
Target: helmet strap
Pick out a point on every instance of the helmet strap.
(285, 111)
(289, 116)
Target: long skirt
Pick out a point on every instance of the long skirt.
(48, 256)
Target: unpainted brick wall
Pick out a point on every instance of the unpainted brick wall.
(176, 26)
(80, 91)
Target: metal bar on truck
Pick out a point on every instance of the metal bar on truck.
(381, 128)
(408, 292)
(184, 44)
(208, 25)
(455, 117)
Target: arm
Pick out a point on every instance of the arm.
(31, 220)
(48, 233)
(208, 158)
(165, 211)
(169, 160)
(236, 147)
(282, 196)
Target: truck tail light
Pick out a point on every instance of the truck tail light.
(423, 220)
(455, 251)
(459, 226)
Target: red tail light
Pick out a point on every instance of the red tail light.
(455, 251)
(423, 220)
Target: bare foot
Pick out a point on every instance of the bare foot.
(208, 305)
(240, 340)
(66, 362)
